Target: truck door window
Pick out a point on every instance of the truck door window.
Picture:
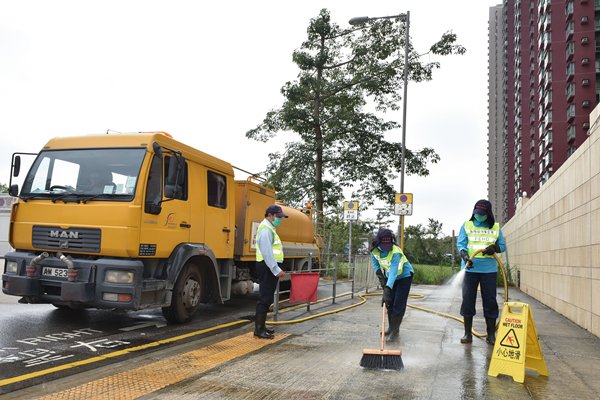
(217, 190)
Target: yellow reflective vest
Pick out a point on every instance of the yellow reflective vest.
(480, 238)
(277, 245)
(386, 262)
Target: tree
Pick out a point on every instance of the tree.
(3, 188)
(343, 73)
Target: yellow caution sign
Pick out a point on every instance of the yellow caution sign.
(517, 346)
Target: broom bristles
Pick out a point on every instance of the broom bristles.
(381, 359)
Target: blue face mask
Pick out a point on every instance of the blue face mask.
(480, 218)
(276, 222)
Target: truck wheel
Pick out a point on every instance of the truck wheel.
(186, 296)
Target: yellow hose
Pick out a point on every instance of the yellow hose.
(364, 300)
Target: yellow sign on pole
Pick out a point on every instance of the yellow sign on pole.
(517, 346)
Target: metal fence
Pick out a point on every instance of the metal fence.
(335, 270)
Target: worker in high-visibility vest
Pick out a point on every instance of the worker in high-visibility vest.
(395, 276)
(269, 256)
(480, 232)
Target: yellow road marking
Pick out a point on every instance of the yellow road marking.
(149, 378)
(118, 353)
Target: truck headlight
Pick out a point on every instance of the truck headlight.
(114, 276)
(11, 267)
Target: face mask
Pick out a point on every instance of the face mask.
(480, 218)
(276, 222)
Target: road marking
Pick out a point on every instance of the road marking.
(114, 354)
(137, 382)
(143, 325)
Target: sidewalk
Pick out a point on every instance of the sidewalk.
(320, 360)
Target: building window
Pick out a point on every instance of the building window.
(571, 111)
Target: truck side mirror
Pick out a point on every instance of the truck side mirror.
(16, 167)
(14, 190)
(175, 178)
(157, 149)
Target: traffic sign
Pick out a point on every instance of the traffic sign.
(403, 204)
(350, 210)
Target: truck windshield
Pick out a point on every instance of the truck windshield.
(84, 174)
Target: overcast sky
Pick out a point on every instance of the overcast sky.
(206, 72)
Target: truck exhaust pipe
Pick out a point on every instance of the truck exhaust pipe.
(31, 269)
(71, 270)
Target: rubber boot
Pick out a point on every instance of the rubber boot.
(491, 330)
(259, 327)
(269, 330)
(468, 338)
(394, 335)
(389, 328)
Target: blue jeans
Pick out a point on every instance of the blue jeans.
(400, 294)
(487, 281)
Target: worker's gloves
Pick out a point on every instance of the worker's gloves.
(494, 248)
(387, 297)
(465, 256)
(381, 277)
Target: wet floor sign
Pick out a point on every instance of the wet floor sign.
(517, 346)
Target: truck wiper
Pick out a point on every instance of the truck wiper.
(64, 196)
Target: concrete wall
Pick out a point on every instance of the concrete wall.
(554, 237)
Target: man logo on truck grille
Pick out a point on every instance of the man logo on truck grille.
(64, 234)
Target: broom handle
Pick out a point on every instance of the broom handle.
(382, 325)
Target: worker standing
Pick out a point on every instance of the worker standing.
(480, 232)
(269, 254)
(395, 276)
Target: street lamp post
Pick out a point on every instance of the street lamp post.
(406, 18)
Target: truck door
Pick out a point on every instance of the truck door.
(219, 223)
(165, 222)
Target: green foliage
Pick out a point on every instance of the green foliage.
(431, 274)
(3, 188)
(337, 234)
(427, 245)
(343, 72)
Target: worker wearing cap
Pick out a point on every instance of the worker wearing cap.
(269, 254)
(480, 232)
(395, 276)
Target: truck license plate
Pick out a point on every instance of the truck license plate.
(58, 272)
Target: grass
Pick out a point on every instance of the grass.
(431, 274)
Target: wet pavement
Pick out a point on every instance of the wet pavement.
(320, 359)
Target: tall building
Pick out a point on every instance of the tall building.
(497, 168)
(550, 67)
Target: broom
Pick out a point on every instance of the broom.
(380, 358)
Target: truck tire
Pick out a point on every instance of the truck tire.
(187, 293)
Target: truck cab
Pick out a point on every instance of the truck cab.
(129, 221)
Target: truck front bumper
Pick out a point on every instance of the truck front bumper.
(88, 289)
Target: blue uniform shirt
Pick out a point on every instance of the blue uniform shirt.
(481, 265)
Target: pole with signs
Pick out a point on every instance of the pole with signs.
(350, 214)
(403, 206)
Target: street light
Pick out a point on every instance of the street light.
(406, 18)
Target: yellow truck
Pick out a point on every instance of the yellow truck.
(131, 221)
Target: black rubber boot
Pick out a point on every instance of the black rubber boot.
(269, 330)
(491, 330)
(389, 328)
(394, 335)
(468, 338)
(259, 327)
